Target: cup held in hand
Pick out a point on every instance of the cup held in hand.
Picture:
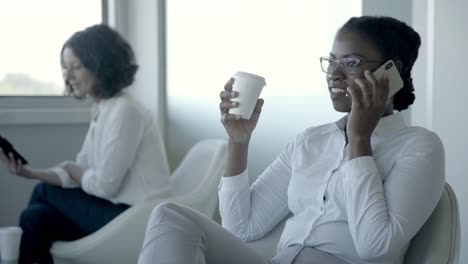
(249, 86)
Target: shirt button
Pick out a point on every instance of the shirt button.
(321, 208)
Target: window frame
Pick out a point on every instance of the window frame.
(47, 110)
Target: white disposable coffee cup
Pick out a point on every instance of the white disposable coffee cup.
(249, 86)
(10, 238)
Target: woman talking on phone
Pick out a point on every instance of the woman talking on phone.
(357, 189)
(122, 160)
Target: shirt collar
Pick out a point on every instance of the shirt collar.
(341, 123)
(386, 125)
(103, 103)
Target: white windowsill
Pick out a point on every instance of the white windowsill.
(44, 116)
(43, 110)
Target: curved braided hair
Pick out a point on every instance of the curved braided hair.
(397, 41)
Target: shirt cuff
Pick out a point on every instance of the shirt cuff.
(358, 167)
(234, 184)
(66, 180)
(86, 180)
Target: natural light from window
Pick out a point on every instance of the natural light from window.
(33, 33)
(282, 40)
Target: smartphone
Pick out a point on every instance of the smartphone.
(8, 148)
(395, 83)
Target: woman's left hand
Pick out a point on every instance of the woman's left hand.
(74, 170)
(369, 100)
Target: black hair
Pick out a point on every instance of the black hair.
(397, 41)
(107, 55)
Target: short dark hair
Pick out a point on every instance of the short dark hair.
(397, 41)
(105, 53)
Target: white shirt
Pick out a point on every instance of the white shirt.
(123, 155)
(364, 210)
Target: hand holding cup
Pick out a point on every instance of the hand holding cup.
(240, 106)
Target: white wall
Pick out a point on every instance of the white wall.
(400, 9)
(42, 146)
(141, 23)
(444, 100)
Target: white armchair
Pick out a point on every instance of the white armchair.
(438, 241)
(193, 184)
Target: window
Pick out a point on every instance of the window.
(282, 40)
(33, 33)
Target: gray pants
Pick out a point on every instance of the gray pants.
(179, 235)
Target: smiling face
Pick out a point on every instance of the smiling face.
(76, 75)
(350, 45)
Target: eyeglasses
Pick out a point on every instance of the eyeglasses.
(349, 65)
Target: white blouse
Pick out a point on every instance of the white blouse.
(123, 155)
(364, 210)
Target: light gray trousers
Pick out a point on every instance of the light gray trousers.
(180, 235)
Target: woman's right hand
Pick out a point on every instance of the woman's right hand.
(239, 130)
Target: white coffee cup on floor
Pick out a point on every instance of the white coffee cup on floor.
(10, 238)
(249, 86)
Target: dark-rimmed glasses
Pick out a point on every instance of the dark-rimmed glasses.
(348, 65)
